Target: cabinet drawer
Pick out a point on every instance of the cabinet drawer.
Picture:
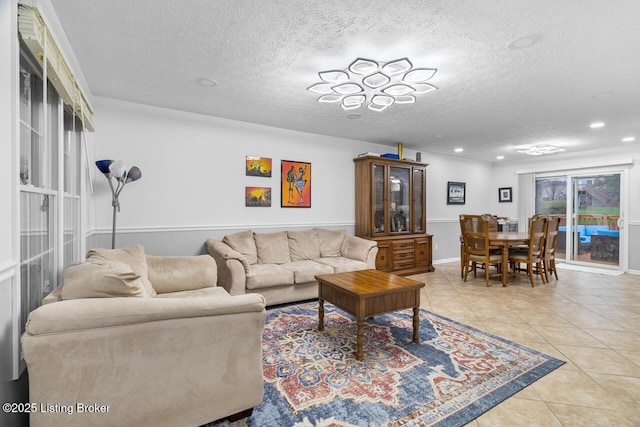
(398, 255)
(402, 264)
(402, 245)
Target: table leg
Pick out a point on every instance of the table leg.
(321, 314)
(360, 339)
(416, 324)
(505, 262)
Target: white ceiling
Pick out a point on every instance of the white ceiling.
(583, 66)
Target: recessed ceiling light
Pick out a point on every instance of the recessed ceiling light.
(602, 95)
(499, 157)
(596, 125)
(459, 150)
(207, 82)
(353, 116)
(629, 139)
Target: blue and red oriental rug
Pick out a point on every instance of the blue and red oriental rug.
(453, 375)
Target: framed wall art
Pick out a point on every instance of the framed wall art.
(257, 196)
(258, 166)
(456, 193)
(504, 194)
(295, 184)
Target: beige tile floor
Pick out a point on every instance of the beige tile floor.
(591, 321)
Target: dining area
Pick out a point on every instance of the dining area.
(485, 245)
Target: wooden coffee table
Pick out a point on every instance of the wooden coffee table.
(368, 293)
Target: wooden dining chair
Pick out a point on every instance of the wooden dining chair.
(550, 243)
(492, 220)
(475, 234)
(534, 255)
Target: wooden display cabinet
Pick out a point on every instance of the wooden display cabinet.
(390, 209)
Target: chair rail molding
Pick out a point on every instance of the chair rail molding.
(7, 270)
(253, 226)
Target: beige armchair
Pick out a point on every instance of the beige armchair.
(188, 356)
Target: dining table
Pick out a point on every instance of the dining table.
(506, 239)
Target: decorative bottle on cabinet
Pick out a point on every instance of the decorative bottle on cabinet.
(390, 209)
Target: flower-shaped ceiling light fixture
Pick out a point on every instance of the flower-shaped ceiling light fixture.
(539, 150)
(378, 85)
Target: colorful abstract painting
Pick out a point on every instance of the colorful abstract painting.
(295, 181)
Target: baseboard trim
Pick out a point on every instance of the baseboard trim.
(446, 260)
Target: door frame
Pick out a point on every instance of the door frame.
(569, 174)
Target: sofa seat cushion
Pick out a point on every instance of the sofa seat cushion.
(197, 293)
(268, 275)
(342, 264)
(305, 271)
(273, 248)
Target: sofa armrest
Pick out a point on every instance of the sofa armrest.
(96, 313)
(360, 249)
(232, 266)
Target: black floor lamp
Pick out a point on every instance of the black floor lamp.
(118, 170)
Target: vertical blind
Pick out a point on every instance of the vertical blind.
(44, 48)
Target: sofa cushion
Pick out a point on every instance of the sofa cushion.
(590, 230)
(305, 271)
(243, 243)
(330, 241)
(268, 275)
(217, 292)
(342, 264)
(182, 273)
(105, 280)
(273, 248)
(303, 245)
(133, 256)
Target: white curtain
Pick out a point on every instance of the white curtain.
(525, 199)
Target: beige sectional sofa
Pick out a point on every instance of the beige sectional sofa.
(133, 340)
(282, 266)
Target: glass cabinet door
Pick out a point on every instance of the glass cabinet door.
(418, 201)
(379, 191)
(399, 199)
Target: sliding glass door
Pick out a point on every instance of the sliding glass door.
(591, 210)
(596, 219)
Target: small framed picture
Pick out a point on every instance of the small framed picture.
(504, 194)
(258, 166)
(456, 192)
(257, 196)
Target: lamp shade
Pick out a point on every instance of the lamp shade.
(134, 174)
(103, 166)
(119, 170)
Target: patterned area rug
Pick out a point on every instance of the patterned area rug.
(453, 375)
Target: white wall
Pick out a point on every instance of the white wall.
(193, 178)
(193, 173)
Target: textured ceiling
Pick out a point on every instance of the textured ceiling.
(583, 66)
